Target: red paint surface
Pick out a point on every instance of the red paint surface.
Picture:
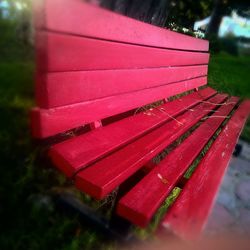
(59, 89)
(57, 52)
(101, 178)
(93, 71)
(48, 122)
(142, 201)
(66, 16)
(112, 64)
(79, 152)
(189, 213)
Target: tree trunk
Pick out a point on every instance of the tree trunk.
(160, 12)
(122, 6)
(216, 17)
(150, 11)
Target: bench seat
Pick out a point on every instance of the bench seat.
(81, 151)
(138, 139)
(187, 217)
(113, 85)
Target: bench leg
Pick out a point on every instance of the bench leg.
(237, 150)
(110, 229)
(117, 223)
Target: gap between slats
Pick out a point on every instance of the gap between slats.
(180, 185)
(216, 159)
(73, 154)
(164, 176)
(116, 171)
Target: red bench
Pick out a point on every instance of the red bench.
(95, 70)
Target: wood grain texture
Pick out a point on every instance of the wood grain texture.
(64, 88)
(49, 122)
(142, 201)
(189, 214)
(66, 16)
(59, 53)
(135, 155)
(79, 152)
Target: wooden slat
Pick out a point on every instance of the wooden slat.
(79, 18)
(189, 213)
(59, 89)
(117, 167)
(142, 201)
(73, 154)
(48, 122)
(58, 52)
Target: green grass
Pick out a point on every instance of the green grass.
(28, 218)
(230, 74)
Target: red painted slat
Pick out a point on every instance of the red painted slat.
(48, 122)
(117, 167)
(142, 201)
(58, 52)
(189, 213)
(59, 89)
(76, 17)
(78, 152)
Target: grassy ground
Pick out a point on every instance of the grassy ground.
(28, 218)
(230, 74)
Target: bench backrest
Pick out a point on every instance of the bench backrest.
(93, 64)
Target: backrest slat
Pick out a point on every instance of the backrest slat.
(57, 52)
(64, 88)
(93, 64)
(82, 19)
(48, 122)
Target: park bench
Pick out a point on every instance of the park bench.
(106, 80)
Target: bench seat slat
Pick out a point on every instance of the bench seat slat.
(103, 24)
(59, 53)
(59, 89)
(48, 122)
(117, 167)
(190, 211)
(78, 152)
(143, 200)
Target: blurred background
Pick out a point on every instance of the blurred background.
(28, 218)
